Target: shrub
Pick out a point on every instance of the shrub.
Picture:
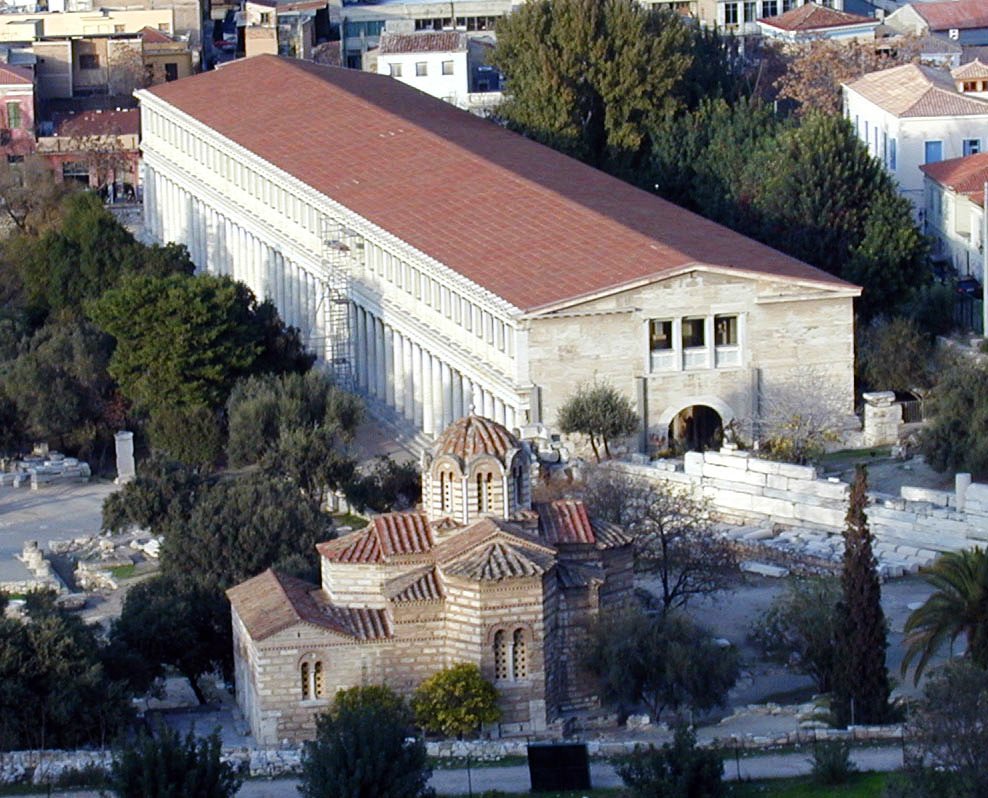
(832, 763)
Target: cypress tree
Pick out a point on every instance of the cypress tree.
(861, 683)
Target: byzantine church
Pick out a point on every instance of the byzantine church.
(480, 574)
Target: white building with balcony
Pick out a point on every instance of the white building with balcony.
(913, 115)
(955, 212)
(444, 263)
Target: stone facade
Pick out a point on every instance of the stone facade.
(481, 575)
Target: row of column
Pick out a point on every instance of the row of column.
(416, 382)
(389, 366)
(219, 245)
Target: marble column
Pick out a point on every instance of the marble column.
(389, 366)
(418, 414)
(428, 407)
(398, 369)
(447, 395)
(408, 406)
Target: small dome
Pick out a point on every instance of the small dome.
(474, 435)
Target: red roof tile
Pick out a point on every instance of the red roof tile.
(155, 36)
(966, 175)
(271, 602)
(500, 560)
(123, 122)
(388, 535)
(564, 521)
(960, 14)
(420, 585)
(527, 223)
(474, 435)
(810, 17)
(12, 75)
(423, 42)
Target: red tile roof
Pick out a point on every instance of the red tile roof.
(564, 521)
(155, 36)
(123, 122)
(966, 175)
(527, 223)
(423, 42)
(474, 435)
(271, 602)
(914, 90)
(12, 75)
(972, 69)
(960, 14)
(420, 585)
(388, 535)
(500, 560)
(810, 17)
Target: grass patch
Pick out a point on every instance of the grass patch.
(351, 520)
(862, 785)
(123, 571)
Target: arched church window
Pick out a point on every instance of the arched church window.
(304, 673)
(318, 681)
(519, 655)
(445, 491)
(485, 492)
(500, 656)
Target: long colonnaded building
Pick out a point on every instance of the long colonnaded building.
(441, 263)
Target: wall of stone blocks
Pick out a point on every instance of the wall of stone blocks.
(742, 488)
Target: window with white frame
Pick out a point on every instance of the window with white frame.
(447, 67)
(730, 13)
(727, 350)
(394, 70)
(971, 146)
(421, 69)
(662, 353)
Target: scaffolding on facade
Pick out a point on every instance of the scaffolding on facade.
(342, 249)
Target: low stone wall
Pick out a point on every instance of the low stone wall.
(789, 507)
(35, 767)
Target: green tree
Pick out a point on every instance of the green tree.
(60, 386)
(894, 355)
(456, 701)
(676, 770)
(947, 734)
(85, 255)
(957, 607)
(180, 340)
(54, 688)
(168, 766)
(363, 748)
(587, 76)
(167, 623)
(663, 662)
(861, 683)
(163, 493)
(955, 439)
(240, 526)
(825, 200)
(388, 485)
(800, 629)
(600, 412)
(297, 424)
(192, 435)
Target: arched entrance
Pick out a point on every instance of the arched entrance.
(696, 428)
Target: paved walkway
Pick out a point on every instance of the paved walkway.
(515, 779)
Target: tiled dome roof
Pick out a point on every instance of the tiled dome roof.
(474, 435)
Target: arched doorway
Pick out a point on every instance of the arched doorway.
(696, 428)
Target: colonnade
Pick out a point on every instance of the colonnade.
(415, 381)
(409, 376)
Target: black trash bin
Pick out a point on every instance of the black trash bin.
(559, 766)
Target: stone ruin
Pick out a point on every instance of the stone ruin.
(42, 468)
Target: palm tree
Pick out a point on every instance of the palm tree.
(958, 607)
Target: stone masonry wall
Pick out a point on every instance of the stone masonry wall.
(910, 529)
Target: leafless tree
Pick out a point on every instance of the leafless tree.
(673, 533)
(800, 417)
(29, 193)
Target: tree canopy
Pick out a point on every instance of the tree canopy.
(600, 412)
(180, 340)
(240, 526)
(587, 77)
(663, 662)
(363, 748)
(955, 437)
(456, 701)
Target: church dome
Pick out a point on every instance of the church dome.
(472, 436)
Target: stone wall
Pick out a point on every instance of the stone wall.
(792, 508)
